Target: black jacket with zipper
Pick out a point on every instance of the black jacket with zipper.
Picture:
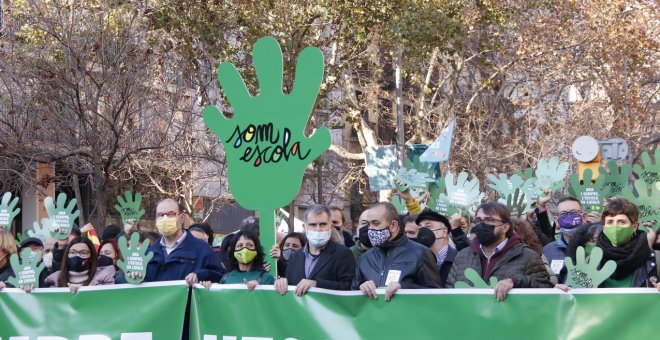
(415, 262)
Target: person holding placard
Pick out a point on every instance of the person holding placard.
(80, 267)
(323, 263)
(177, 254)
(394, 262)
(498, 252)
(622, 242)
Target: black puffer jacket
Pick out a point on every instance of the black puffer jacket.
(416, 263)
(517, 261)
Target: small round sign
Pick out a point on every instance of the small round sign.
(585, 149)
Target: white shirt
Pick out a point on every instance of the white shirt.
(170, 248)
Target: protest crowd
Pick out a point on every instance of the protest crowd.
(423, 249)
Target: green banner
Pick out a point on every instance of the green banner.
(236, 314)
(119, 312)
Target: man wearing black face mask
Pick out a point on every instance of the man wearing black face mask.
(363, 244)
(394, 262)
(497, 251)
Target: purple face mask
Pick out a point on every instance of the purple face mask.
(569, 220)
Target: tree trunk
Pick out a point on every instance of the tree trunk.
(400, 133)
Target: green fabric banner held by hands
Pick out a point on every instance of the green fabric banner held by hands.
(224, 313)
(121, 312)
(265, 143)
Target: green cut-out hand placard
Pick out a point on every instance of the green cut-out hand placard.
(463, 194)
(43, 231)
(410, 178)
(615, 180)
(266, 148)
(26, 270)
(516, 203)
(437, 200)
(61, 217)
(650, 173)
(135, 258)
(647, 200)
(129, 208)
(505, 185)
(590, 194)
(476, 280)
(8, 210)
(583, 274)
(551, 173)
(400, 204)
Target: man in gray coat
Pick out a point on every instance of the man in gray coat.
(497, 251)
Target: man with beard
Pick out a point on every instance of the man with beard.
(497, 251)
(394, 262)
(622, 242)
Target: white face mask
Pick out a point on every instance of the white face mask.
(48, 260)
(318, 239)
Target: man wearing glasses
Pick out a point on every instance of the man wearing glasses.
(497, 252)
(177, 254)
(394, 262)
(569, 217)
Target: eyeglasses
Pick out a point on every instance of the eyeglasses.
(168, 214)
(570, 212)
(488, 220)
(76, 253)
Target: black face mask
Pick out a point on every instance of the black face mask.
(104, 261)
(78, 264)
(364, 237)
(425, 236)
(485, 234)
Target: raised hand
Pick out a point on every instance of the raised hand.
(615, 180)
(648, 202)
(42, 233)
(264, 142)
(8, 210)
(650, 173)
(475, 280)
(61, 217)
(26, 270)
(129, 208)
(135, 260)
(590, 194)
(551, 174)
(583, 274)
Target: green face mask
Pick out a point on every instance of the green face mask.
(588, 248)
(245, 255)
(618, 235)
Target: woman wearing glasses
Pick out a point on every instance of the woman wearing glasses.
(81, 267)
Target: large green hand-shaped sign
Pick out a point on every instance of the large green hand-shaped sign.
(586, 274)
(8, 210)
(267, 150)
(26, 270)
(477, 282)
(590, 194)
(62, 217)
(650, 173)
(135, 258)
(129, 208)
(615, 180)
(647, 200)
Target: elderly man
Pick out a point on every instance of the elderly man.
(497, 251)
(394, 262)
(321, 263)
(177, 254)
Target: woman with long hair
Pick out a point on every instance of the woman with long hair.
(80, 267)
